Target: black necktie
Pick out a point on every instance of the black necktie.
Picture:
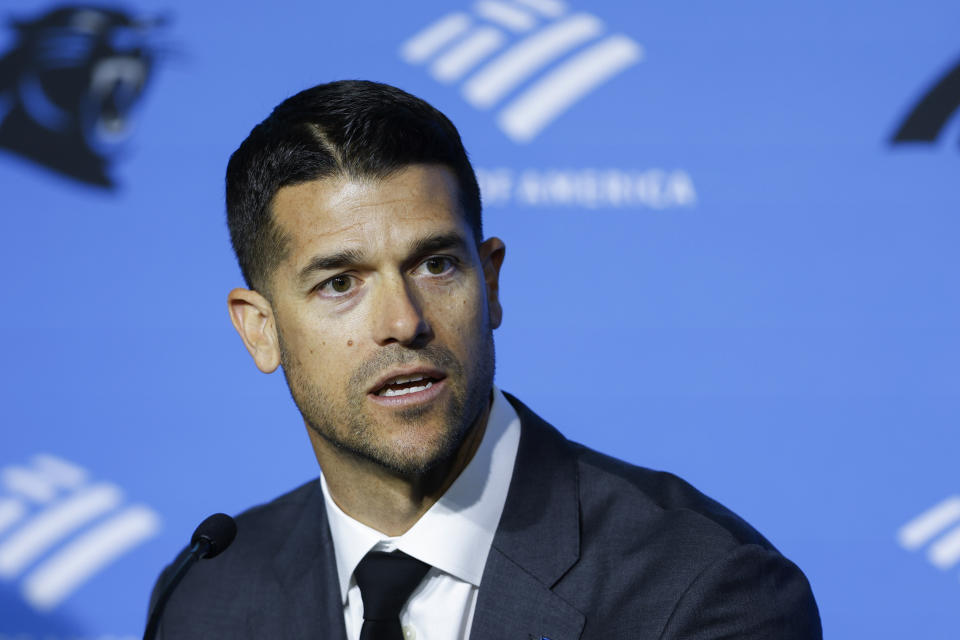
(386, 581)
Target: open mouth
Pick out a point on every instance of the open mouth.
(405, 385)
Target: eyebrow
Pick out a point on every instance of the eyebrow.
(438, 242)
(353, 257)
(338, 260)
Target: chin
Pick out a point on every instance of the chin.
(418, 456)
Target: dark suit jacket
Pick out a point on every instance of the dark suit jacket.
(588, 547)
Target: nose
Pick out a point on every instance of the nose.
(398, 315)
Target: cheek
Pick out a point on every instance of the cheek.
(308, 343)
(464, 314)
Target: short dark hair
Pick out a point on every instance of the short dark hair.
(350, 128)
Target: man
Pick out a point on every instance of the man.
(355, 217)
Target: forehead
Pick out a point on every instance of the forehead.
(336, 210)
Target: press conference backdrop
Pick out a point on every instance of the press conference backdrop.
(732, 237)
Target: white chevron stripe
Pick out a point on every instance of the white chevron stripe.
(548, 8)
(928, 524)
(945, 552)
(29, 484)
(519, 62)
(42, 481)
(57, 577)
(48, 527)
(431, 39)
(10, 511)
(511, 17)
(65, 473)
(534, 109)
(467, 54)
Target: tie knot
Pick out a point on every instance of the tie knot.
(386, 581)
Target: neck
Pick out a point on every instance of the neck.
(382, 499)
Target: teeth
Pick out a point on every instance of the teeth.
(403, 392)
(404, 379)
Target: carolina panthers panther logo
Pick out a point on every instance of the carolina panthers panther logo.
(932, 113)
(70, 84)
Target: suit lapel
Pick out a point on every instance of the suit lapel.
(537, 541)
(306, 568)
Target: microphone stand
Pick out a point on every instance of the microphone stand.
(214, 534)
(197, 551)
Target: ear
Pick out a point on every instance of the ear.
(492, 252)
(252, 317)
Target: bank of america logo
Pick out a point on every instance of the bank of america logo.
(938, 530)
(58, 528)
(531, 59)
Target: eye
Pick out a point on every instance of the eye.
(437, 265)
(337, 285)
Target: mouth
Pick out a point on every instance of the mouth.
(408, 383)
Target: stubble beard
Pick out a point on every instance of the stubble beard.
(348, 427)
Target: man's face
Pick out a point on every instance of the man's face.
(384, 310)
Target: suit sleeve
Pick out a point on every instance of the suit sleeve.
(750, 593)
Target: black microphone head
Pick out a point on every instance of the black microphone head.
(218, 531)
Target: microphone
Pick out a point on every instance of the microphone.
(214, 535)
(210, 539)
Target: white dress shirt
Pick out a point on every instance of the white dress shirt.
(453, 537)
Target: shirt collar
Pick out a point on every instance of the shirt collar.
(455, 534)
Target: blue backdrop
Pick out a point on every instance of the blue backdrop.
(732, 253)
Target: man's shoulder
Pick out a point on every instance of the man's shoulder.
(613, 492)
(267, 520)
(610, 484)
(264, 529)
(242, 583)
(652, 553)
(707, 566)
